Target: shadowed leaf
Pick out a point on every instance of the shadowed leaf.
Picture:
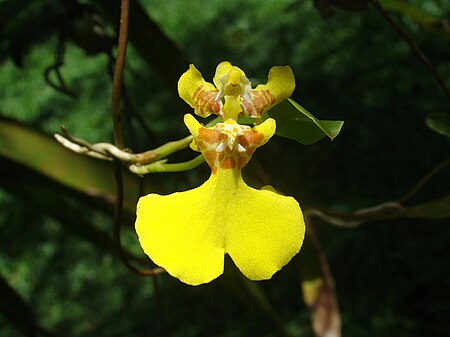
(439, 122)
(14, 307)
(18, 312)
(55, 200)
(37, 168)
(436, 209)
(18, 22)
(50, 198)
(90, 177)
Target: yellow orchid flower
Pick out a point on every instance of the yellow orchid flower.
(188, 233)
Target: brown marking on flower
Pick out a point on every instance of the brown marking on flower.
(210, 136)
(251, 138)
(268, 97)
(196, 92)
(205, 101)
(249, 151)
(221, 155)
(209, 140)
(228, 163)
(242, 161)
(261, 99)
(210, 157)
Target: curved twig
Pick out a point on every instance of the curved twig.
(56, 68)
(108, 151)
(422, 182)
(387, 210)
(416, 49)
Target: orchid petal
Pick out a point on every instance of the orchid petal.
(222, 69)
(199, 94)
(280, 85)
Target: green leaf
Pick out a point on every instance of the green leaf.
(247, 120)
(76, 173)
(41, 171)
(439, 122)
(297, 123)
(436, 209)
(50, 198)
(18, 312)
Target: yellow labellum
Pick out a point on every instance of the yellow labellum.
(189, 232)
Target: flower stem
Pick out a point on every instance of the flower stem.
(177, 145)
(162, 166)
(173, 146)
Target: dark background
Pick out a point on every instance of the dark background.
(58, 272)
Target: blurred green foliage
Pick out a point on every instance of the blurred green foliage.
(391, 275)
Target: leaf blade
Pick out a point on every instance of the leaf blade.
(85, 175)
(435, 209)
(297, 123)
(439, 122)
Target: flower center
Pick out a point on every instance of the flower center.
(234, 86)
(228, 145)
(232, 130)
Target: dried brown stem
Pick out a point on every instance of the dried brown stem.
(382, 211)
(60, 84)
(118, 140)
(118, 73)
(354, 219)
(134, 161)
